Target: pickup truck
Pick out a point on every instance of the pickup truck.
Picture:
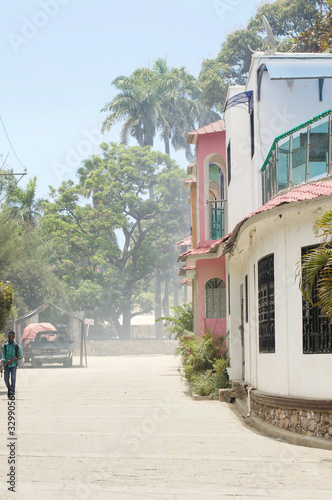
(52, 347)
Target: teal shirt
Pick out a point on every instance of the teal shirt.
(10, 353)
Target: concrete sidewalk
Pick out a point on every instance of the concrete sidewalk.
(125, 429)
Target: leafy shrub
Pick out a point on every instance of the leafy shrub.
(204, 384)
(205, 362)
(181, 322)
(220, 368)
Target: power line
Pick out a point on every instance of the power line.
(11, 143)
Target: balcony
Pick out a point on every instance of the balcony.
(301, 155)
(217, 210)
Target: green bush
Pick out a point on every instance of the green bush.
(204, 362)
(181, 322)
(204, 384)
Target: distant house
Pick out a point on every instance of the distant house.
(275, 153)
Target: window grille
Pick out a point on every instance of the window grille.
(317, 329)
(215, 297)
(266, 304)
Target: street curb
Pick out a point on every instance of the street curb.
(197, 397)
(271, 431)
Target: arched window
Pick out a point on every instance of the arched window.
(215, 298)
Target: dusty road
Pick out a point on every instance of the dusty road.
(125, 429)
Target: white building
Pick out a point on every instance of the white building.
(278, 144)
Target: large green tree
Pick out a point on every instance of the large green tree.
(287, 18)
(317, 37)
(108, 229)
(25, 262)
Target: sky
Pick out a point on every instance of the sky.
(59, 57)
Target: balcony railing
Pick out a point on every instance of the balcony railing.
(301, 155)
(217, 218)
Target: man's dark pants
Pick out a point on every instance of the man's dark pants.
(10, 372)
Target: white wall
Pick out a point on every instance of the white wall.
(284, 105)
(287, 371)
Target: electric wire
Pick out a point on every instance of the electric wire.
(3, 125)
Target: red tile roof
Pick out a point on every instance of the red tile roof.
(184, 242)
(200, 250)
(218, 126)
(192, 180)
(186, 280)
(301, 193)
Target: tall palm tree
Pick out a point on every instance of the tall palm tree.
(162, 99)
(178, 107)
(315, 272)
(134, 104)
(22, 202)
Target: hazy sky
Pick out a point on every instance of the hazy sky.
(58, 58)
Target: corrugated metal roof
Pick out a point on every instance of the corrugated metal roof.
(218, 126)
(297, 69)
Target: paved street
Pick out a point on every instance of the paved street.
(125, 429)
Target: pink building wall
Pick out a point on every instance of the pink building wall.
(206, 270)
(207, 144)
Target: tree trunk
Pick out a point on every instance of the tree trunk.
(167, 147)
(166, 300)
(175, 294)
(126, 324)
(117, 326)
(157, 304)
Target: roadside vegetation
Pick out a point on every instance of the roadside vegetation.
(204, 360)
(204, 363)
(315, 268)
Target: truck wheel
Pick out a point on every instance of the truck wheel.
(34, 363)
(68, 363)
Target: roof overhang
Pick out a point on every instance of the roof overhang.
(211, 128)
(281, 69)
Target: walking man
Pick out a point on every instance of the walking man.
(11, 353)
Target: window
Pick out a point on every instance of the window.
(229, 167)
(266, 304)
(246, 297)
(317, 330)
(215, 298)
